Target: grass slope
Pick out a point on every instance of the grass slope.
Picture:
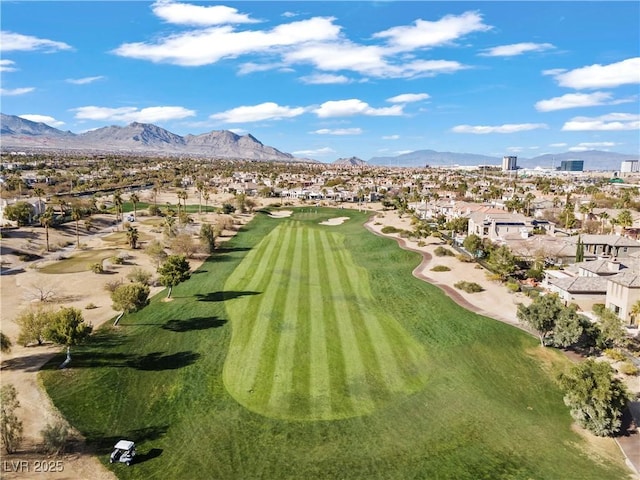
(488, 409)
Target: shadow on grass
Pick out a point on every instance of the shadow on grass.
(198, 323)
(223, 296)
(103, 445)
(150, 455)
(154, 361)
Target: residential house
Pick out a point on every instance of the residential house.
(623, 291)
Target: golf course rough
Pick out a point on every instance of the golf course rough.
(307, 343)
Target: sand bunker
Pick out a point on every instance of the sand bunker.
(281, 214)
(335, 221)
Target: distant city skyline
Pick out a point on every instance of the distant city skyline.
(326, 80)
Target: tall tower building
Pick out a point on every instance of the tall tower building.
(509, 163)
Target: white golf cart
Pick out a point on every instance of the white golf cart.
(123, 452)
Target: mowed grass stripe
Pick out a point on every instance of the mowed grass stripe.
(340, 402)
(271, 322)
(319, 375)
(354, 366)
(373, 338)
(244, 368)
(262, 259)
(282, 382)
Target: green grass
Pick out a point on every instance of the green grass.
(78, 262)
(483, 404)
(120, 238)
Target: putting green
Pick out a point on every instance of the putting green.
(306, 341)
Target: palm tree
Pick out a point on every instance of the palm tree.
(182, 195)
(206, 197)
(132, 237)
(117, 201)
(200, 189)
(76, 215)
(133, 198)
(625, 219)
(155, 191)
(603, 217)
(39, 193)
(634, 312)
(46, 220)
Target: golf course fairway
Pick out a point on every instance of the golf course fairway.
(311, 345)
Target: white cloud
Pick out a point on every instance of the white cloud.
(315, 153)
(338, 131)
(16, 91)
(209, 45)
(507, 128)
(515, 149)
(52, 122)
(313, 41)
(573, 100)
(391, 137)
(187, 14)
(7, 66)
(609, 122)
(347, 108)
(554, 71)
(256, 113)
(85, 80)
(10, 42)
(369, 60)
(516, 49)
(602, 76)
(324, 79)
(558, 145)
(584, 146)
(408, 98)
(133, 114)
(424, 33)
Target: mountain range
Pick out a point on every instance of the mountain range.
(142, 138)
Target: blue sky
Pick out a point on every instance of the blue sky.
(325, 80)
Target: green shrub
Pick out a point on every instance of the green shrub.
(513, 287)
(54, 438)
(615, 354)
(96, 267)
(421, 243)
(389, 229)
(598, 308)
(440, 268)
(465, 258)
(154, 210)
(138, 275)
(628, 368)
(443, 252)
(90, 306)
(116, 260)
(469, 287)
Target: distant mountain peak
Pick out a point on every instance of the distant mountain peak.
(137, 137)
(351, 161)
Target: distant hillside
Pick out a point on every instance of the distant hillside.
(143, 138)
(420, 158)
(593, 159)
(350, 162)
(12, 125)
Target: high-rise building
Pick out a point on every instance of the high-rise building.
(630, 166)
(509, 163)
(571, 166)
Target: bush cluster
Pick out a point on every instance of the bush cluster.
(469, 287)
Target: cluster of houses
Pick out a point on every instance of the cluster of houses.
(609, 273)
